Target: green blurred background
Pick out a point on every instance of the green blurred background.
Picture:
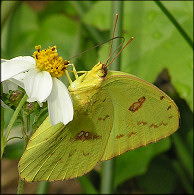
(161, 53)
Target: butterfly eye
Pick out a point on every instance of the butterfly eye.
(104, 70)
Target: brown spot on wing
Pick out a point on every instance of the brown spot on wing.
(72, 152)
(169, 107)
(103, 118)
(85, 135)
(137, 105)
(162, 123)
(153, 125)
(141, 122)
(104, 100)
(162, 97)
(130, 134)
(94, 101)
(97, 137)
(170, 116)
(119, 136)
(141, 100)
(85, 154)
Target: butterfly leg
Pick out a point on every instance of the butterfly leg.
(74, 70)
(68, 77)
(82, 71)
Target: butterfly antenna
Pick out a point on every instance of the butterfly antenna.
(131, 39)
(115, 50)
(112, 37)
(118, 37)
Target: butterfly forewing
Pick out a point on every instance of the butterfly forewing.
(63, 152)
(142, 114)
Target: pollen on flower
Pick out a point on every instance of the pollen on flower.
(48, 60)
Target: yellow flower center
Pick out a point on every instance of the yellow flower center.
(48, 60)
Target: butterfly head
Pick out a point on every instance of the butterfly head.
(99, 70)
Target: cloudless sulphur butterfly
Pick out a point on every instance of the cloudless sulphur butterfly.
(114, 113)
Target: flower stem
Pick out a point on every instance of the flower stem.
(14, 117)
(25, 127)
(20, 188)
(107, 181)
(43, 187)
(87, 185)
(2, 127)
(108, 169)
(117, 7)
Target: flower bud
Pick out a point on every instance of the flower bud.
(30, 107)
(15, 97)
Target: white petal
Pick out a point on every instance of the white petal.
(19, 79)
(8, 85)
(24, 58)
(13, 83)
(60, 104)
(38, 84)
(15, 66)
(3, 60)
(5, 87)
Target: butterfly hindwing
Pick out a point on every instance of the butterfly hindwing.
(142, 113)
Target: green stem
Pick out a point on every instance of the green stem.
(14, 117)
(2, 123)
(20, 188)
(108, 167)
(25, 127)
(176, 24)
(43, 187)
(87, 185)
(107, 181)
(117, 7)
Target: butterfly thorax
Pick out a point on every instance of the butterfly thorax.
(86, 85)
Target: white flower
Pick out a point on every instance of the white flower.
(39, 77)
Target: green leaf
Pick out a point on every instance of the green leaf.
(135, 162)
(14, 150)
(160, 177)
